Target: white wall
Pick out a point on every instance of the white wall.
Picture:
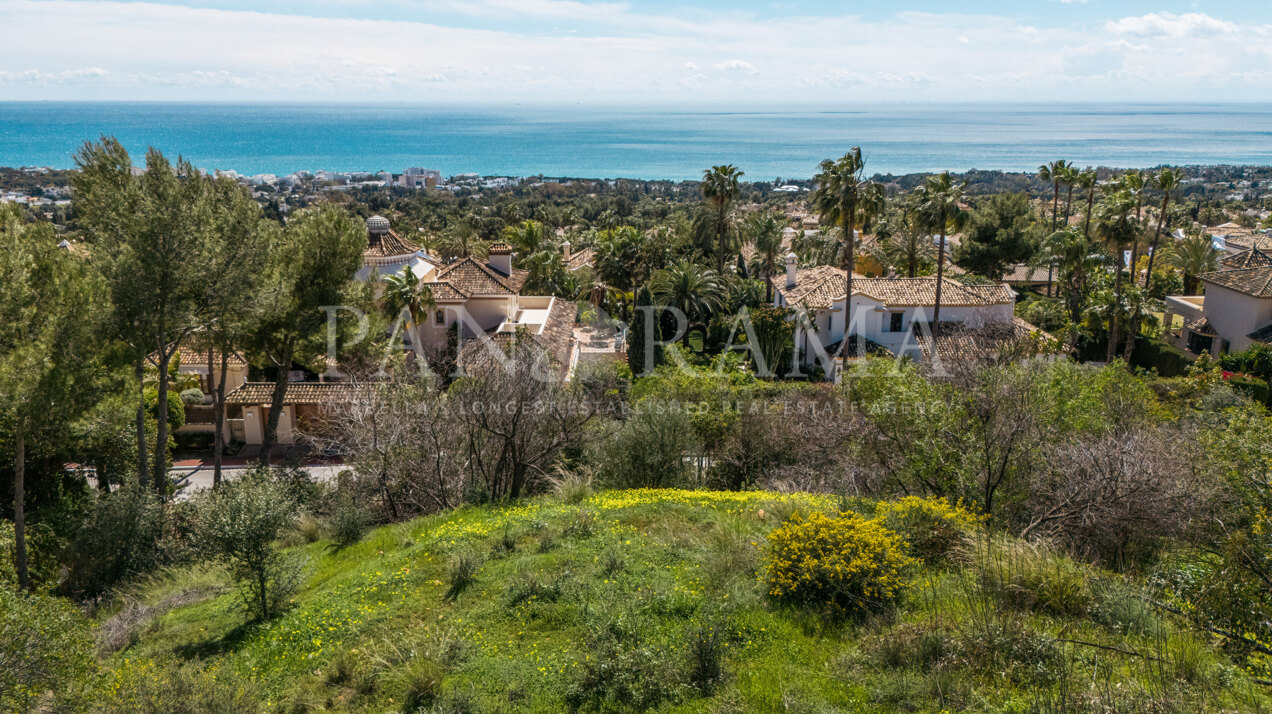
(1235, 315)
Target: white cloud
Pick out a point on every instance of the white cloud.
(65, 49)
(737, 65)
(1166, 24)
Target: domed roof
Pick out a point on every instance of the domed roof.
(377, 224)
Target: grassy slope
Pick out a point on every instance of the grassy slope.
(652, 569)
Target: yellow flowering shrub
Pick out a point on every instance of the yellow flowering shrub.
(845, 562)
(930, 527)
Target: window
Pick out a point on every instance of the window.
(439, 317)
(894, 323)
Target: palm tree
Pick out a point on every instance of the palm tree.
(939, 201)
(766, 237)
(694, 290)
(462, 239)
(1053, 172)
(1069, 177)
(719, 191)
(1193, 256)
(1168, 181)
(527, 237)
(1115, 226)
(404, 291)
(1076, 259)
(840, 188)
(904, 241)
(1087, 180)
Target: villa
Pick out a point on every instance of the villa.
(891, 315)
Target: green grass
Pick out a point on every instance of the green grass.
(643, 596)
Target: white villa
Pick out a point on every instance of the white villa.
(483, 296)
(888, 313)
(1236, 310)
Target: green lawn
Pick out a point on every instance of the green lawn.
(609, 598)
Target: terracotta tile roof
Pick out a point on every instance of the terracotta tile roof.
(820, 287)
(387, 245)
(1201, 326)
(445, 292)
(192, 355)
(815, 288)
(499, 249)
(917, 292)
(298, 393)
(474, 278)
(1248, 258)
(1251, 281)
(962, 343)
(1022, 273)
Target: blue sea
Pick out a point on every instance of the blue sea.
(654, 143)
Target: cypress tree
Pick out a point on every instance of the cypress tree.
(638, 337)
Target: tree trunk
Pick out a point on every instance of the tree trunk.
(276, 405)
(143, 471)
(850, 231)
(1161, 220)
(1115, 323)
(161, 430)
(1068, 206)
(1086, 227)
(940, 278)
(19, 507)
(218, 415)
(1055, 204)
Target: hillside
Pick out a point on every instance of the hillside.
(645, 599)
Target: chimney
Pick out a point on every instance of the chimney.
(565, 248)
(499, 257)
(790, 270)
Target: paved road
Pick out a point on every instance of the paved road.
(197, 476)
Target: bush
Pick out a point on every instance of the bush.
(1030, 577)
(649, 450)
(238, 524)
(164, 687)
(462, 572)
(45, 646)
(846, 563)
(125, 533)
(193, 395)
(931, 527)
(349, 522)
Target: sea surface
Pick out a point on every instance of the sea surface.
(662, 143)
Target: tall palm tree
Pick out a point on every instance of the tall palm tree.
(1167, 181)
(1076, 259)
(1068, 178)
(694, 290)
(462, 239)
(1053, 172)
(766, 237)
(939, 201)
(1087, 181)
(1193, 256)
(1115, 226)
(840, 188)
(719, 191)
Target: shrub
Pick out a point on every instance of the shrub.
(845, 563)
(462, 571)
(165, 687)
(124, 533)
(649, 450)
(421, 682)
(193, 395)
(349, 522)
(706, 658)
(931, 527)
(44, 646)
(1030, 577)
(238, 524)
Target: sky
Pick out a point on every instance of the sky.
(649, 52)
